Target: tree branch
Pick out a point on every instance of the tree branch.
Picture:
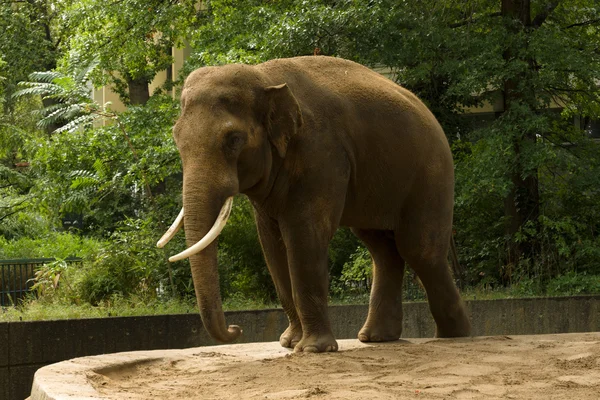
(542, 16)
(14, 211)
(9, 214)
(473, 20)
(572, 90)
(584, 23)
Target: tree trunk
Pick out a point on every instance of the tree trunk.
(139, 92)
(522, 203)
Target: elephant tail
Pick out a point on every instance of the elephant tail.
(457, 270)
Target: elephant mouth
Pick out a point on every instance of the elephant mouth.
(202, 243)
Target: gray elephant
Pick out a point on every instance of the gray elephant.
(317, 143)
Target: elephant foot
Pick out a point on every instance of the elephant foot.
(460, 329)
(317, 344)
(291, 337)
(455, 324)
(367, 334)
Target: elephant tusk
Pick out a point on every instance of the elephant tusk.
(175, 227)
(210, 236)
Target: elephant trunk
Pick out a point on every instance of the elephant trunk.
(206, 285)
(203, 263)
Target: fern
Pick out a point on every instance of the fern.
(101, 169)
(36, 88)
(88, 187)
(45, 76)
(83, 75)
(75, 107)
(84, 120)
(84, 179)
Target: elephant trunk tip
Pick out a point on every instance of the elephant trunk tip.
(233, 332)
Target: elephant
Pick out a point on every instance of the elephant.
(316, 143)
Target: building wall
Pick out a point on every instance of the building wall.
(105, 94)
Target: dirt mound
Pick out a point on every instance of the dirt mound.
(563, 366)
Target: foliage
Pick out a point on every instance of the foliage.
(527, 174)
(131, 38)
(130, 263)
(48, 278)
(14, 197)
(242, 268)
(573, 284)
(111, 172)
(16, 180)
(343, 245)
(58, 245)
(29, 41)
(357, 273)
(71, 105)
(34, 309)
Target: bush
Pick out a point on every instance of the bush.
(572, 283)
(242, 268)
(356, 276)
(25, 224)
(51, 245)
(343, 245)
(129, 263)
(107, 277)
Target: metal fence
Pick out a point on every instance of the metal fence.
(16, 277)
(412, 289)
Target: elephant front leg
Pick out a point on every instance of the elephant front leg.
(275, 251)
(384, 322)
(307, 255)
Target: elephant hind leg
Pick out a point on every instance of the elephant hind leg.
(384, 321)
(426, 252)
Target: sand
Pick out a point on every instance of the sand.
(565, 366)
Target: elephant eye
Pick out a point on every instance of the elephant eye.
(235, 140)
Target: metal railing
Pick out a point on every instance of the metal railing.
(16, 277)
(412, 289)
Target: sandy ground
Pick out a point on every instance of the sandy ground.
(563, 366)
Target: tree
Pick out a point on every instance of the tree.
(537, 58)
(131, 38)
(526, 176)
(31, 39)
(545, 64)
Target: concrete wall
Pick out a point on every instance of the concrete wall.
(27, 346)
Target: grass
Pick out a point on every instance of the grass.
(479, 293)
(40, 309)
(33, 309)
(37, 310)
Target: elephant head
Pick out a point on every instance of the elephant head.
(234, 129)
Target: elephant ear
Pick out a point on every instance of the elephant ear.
(285, 117)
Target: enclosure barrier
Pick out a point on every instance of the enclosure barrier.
(27, 346)
(16, 277)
